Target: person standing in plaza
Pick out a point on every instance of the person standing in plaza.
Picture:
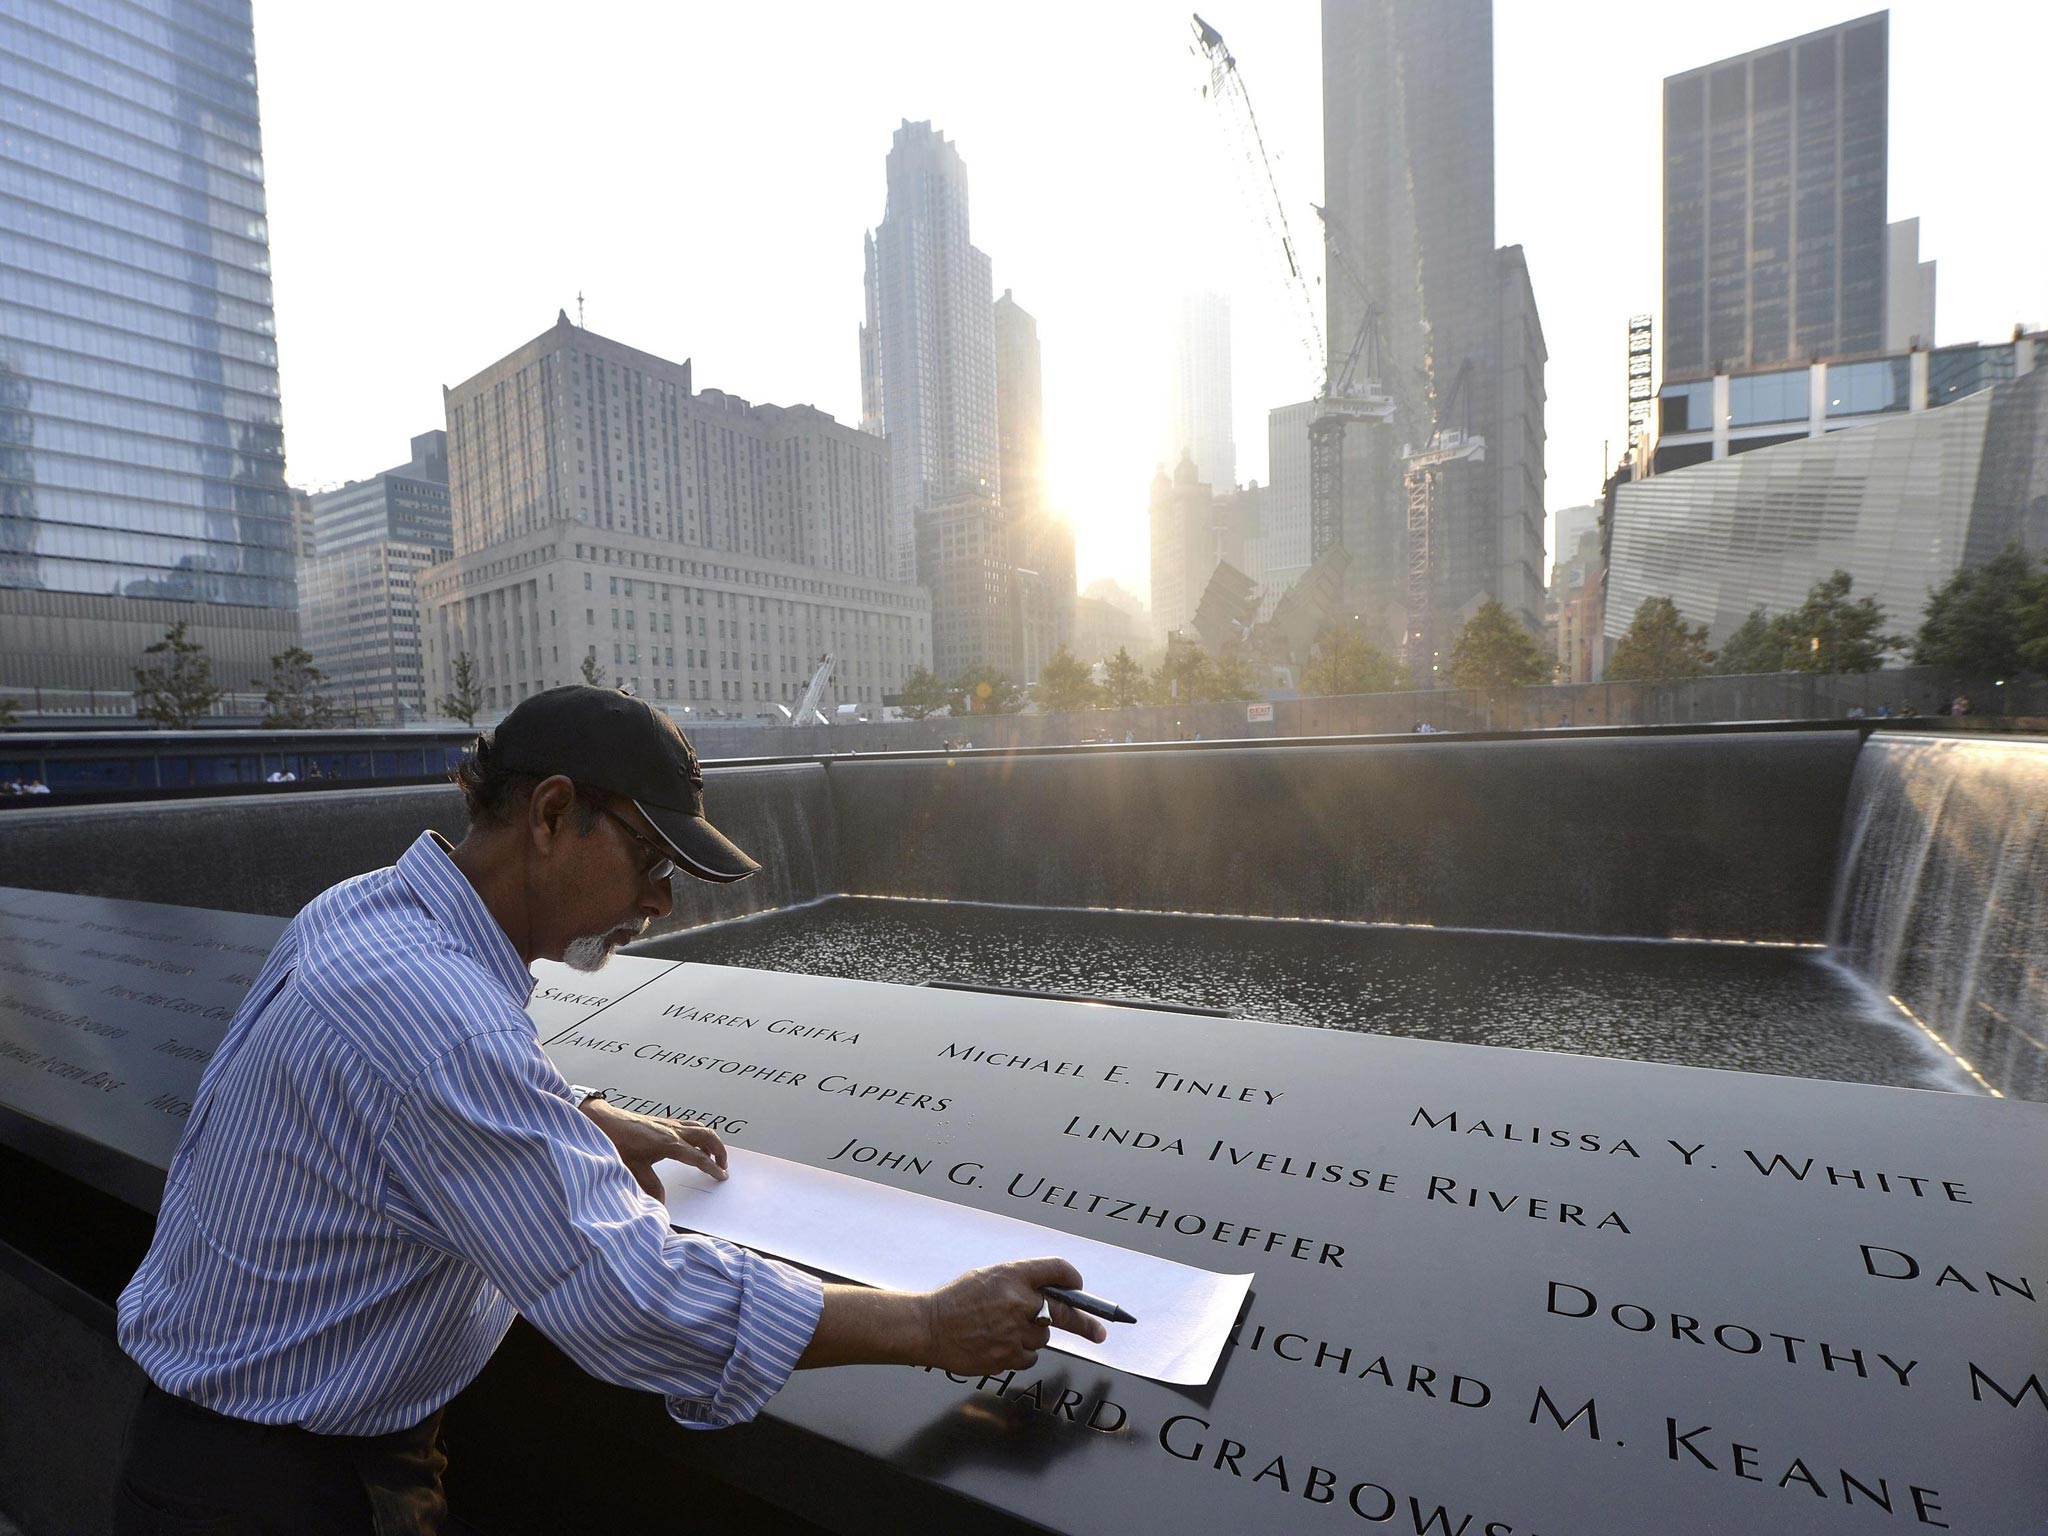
(382, 1167)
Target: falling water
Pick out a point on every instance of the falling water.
(1941, 902)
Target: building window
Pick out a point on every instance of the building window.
(1686, 408)
(1760, 398)
(1859, 389)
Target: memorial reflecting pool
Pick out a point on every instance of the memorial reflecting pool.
(1741, 1007)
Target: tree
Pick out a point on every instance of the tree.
(985, 691)
(1659, 644)
(10, 712)
(176, 688)
(1232, 680)
(593, 674)
(1755, 646)
(923, 694)
(1829, 633)
(1345, 661)
(1493, 651)
(293, 700)
(1977, 622)
(2033, 621)
(1064, 684)
(1123, 680)
(1183, 676)
(467, 698)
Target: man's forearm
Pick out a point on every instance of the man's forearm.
(868, 1327)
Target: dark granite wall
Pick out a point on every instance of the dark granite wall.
(1723, 835)
(1709, 835)
(274, 853)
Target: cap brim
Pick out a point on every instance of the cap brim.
(699, 847)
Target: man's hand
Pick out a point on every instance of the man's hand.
(644, 1140)
(997, 1319)
(986, 1321)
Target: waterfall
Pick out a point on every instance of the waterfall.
(1941, 899)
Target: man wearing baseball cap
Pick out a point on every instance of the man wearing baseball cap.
(382, 1167)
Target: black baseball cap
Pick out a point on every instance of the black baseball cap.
(605, 739)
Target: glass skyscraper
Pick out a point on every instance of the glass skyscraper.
(1408, 167)
(141, 440)
(1775, 168)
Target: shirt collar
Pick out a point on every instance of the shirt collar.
(448, 895)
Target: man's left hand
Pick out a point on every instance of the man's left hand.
(644, 1140)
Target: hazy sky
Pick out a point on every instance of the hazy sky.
(444, 175)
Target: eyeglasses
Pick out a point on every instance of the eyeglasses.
(663, 866)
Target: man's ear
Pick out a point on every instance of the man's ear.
(547, 812)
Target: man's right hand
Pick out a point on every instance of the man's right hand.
(989, 1320)
(986, 1321)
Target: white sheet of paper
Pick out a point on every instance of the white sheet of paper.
(879, 1235)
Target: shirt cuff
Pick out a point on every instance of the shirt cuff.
(779, 1308)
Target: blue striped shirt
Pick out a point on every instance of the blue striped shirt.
(382, 1165)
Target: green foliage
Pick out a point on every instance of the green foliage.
(1826, 633)
(1190, 675)
(1493, 651)
(2033, 622)
(10, 712)
(1232, 680)
(292, 698)
(177, 687)
(1123, 683)
(1064, 684)
(1829, 633)
(985, 691)
(1345, 661)
(467, 698)
(1987, 622)
(923, 694)
(593, 674)
(1659, 644)
(1755, 646)
(1181, 676)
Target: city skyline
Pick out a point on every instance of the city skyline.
(748, 261)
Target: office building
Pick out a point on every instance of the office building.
(1408, 160)
(1576, 582)
(1897, 489)
(1775, 185)
(1102, 628)
(141, 440)
(1198, 413)
(359, 606)
(1278, 553)
(1193, 528)
(1908, 289)
(1566, 524)
(928, 365)
(1731, 414)
(704, 551)
(1042, 541)
(966, 554)
(407, 503)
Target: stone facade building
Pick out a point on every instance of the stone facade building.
(703, 551)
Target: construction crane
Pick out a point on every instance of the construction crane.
(1347, 394)
(1422, 478)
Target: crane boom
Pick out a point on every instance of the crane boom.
(1343, 397)
(1227, 89)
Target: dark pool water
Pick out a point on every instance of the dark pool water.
(1745, 1008)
